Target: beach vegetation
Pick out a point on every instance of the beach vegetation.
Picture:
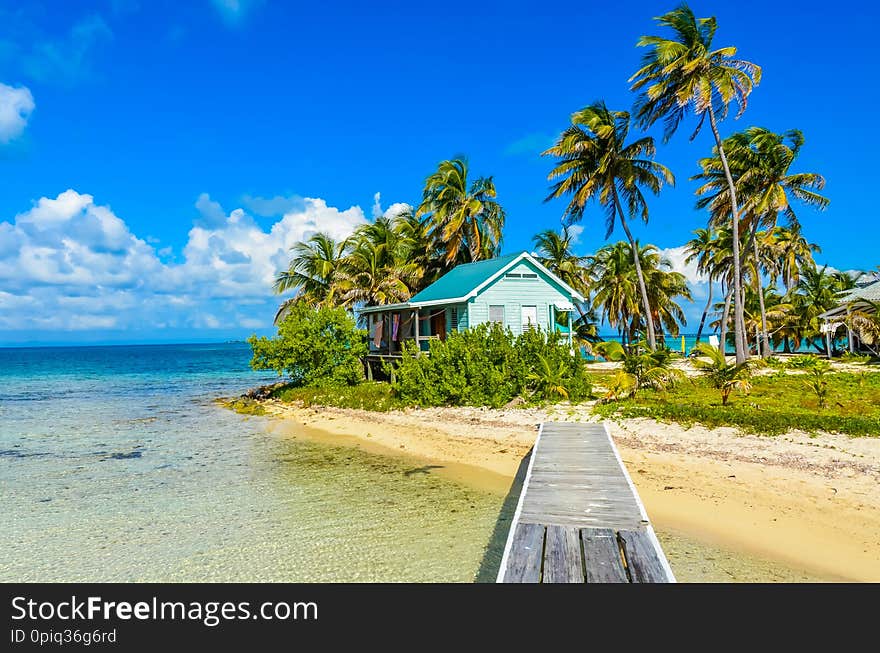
(817, 383)
(645, 368)
(314, 347)
(775, 405)
(720, 373)
(488, 365)
(684, 74)
(594, 161)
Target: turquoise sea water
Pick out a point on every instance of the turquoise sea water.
(115, 464)
(690, 340)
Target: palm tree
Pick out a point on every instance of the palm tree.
(721, 374)
(702, 248)
(594, 161)
(816, 292)
(793, 253)
(615, 290)
(312, 272)
(463, 220)
(367, 277)
(684, 74)
(759, 162)
(865, 321)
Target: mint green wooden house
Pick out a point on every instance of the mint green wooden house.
(515, 290)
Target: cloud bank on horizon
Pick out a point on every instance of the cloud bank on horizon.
(70, 264)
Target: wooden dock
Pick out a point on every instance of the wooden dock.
(579, 518)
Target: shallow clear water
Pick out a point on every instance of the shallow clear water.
(116, 465)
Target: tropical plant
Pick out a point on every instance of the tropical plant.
(489, 366)
(594, 161)
(462, 219)
(645, 368)
(865, 322)
(759, 162)
(818, 384)
(314, 347)
(720, 373)
(614, 281)
(684, 74)
(549, 378)
(312, 272)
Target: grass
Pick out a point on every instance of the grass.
(775, 405)
(369, 395)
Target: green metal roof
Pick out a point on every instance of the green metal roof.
(462, 279)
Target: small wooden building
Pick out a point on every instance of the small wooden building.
(515, 290)
(863, 297)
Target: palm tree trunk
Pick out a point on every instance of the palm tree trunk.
(725, 318)
(738, 333)
(705, 311)
(764, 341)
(643, 290)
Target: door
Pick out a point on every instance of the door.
(438, 324)
(529, 317)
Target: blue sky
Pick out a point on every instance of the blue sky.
(157, 157)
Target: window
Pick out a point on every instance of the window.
(453, 318)
(529, 317)
(529, 275)
(514, 275)
(496, 314)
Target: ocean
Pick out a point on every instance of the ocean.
(117, 465)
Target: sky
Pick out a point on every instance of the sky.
(158, 159)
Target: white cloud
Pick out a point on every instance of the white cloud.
(676, 257)
(396, 209)
(16, 105)
(575, 231)
(377, 205)
(70, 264)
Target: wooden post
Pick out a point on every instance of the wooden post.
(849, 334)
(416, 326)
(828, 342)
(570, 335)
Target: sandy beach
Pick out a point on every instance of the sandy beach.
(809, 502)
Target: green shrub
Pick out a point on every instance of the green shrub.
(314, 347)
(803, 362)
(488, 366)
(855, 358)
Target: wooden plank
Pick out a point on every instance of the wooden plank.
(641, 558)
(562, 556)
(602, 561)
(525, 555)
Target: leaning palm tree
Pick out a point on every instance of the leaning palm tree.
(463, 219)
(760, 164)
(685, 74)
(594, 161)
(312, 272)
(554, 253)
